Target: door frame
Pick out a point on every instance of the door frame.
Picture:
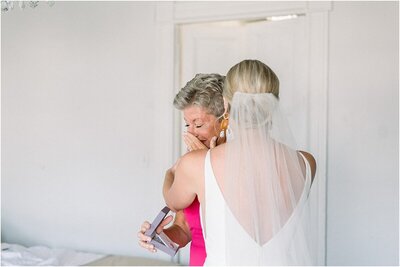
(170, 15)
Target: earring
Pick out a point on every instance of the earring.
(224, 127)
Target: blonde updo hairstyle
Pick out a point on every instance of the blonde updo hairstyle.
(250, 76)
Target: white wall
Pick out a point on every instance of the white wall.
(363, 132)
(83, 149)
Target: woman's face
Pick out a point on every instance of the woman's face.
(201, 124)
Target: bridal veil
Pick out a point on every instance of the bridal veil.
(266, 186)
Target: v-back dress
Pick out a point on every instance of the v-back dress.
(246, 251)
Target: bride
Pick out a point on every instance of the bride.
(253, 190)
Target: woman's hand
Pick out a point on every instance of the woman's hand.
(192, 143)
(144, 240)
(213, 142)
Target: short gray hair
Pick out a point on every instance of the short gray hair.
(204, 90)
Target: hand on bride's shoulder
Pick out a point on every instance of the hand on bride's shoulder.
(213, 142)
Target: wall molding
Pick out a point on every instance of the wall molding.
(182, 12)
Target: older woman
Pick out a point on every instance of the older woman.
(202, 105)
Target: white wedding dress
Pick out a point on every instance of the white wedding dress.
(286, 247)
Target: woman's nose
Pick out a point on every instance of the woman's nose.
(190, 130)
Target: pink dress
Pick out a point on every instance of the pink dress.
(197, 247)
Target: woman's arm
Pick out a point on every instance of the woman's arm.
(182, 184)
(179, 232)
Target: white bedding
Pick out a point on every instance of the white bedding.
(12, 254)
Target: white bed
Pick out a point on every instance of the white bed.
(17, 255)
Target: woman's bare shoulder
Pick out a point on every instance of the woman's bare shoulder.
(195, 154)
(192, 160)
(218, 149)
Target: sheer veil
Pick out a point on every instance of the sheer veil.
(266, 187)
